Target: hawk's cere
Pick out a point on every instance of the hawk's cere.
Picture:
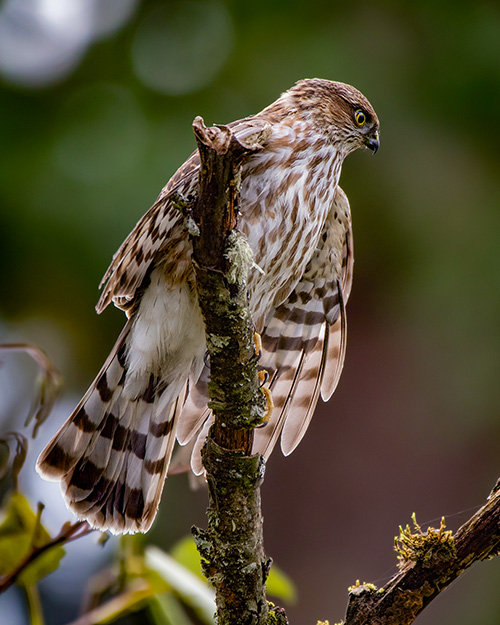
(112, 454)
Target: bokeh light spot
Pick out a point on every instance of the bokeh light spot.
(43, 41)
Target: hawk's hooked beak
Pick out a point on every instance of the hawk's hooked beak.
(372, 143)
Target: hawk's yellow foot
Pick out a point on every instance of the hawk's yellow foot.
(263, 375)
(257, 339)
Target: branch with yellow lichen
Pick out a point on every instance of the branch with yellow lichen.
(428, 562)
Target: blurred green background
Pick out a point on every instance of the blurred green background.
(96, 104)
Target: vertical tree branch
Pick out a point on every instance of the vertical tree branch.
(232, 547)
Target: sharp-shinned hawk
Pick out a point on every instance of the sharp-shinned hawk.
(112, 454)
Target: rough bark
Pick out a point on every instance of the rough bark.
(429, 563)
(232, 547)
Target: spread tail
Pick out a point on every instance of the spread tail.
(112, 454)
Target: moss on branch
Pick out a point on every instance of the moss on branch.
(429, 562)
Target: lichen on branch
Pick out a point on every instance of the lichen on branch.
(232, 546)
(429, 562)
(426, 548)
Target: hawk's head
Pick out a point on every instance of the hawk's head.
(338, 110)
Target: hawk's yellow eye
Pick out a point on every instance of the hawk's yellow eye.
(360, 117)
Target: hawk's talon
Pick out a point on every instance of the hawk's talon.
(257, 339)
(263, 376)
(206, 359)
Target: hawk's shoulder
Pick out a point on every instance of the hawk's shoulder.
(159, 230)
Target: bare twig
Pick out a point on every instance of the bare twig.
(68, 533)
(49, 383)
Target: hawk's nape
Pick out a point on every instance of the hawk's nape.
(112, 454)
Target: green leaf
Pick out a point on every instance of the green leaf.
(280, 585)
(136, 597)
(166, 610)
(34, 605)
(21, 532)
(193, 591)
(186, 553)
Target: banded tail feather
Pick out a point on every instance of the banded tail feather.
(112, 454)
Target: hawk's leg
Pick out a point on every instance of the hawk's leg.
(257, 339)
(263, 375)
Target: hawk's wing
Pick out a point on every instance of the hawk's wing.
(303, 345)
(304, 342)
(154, 232)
